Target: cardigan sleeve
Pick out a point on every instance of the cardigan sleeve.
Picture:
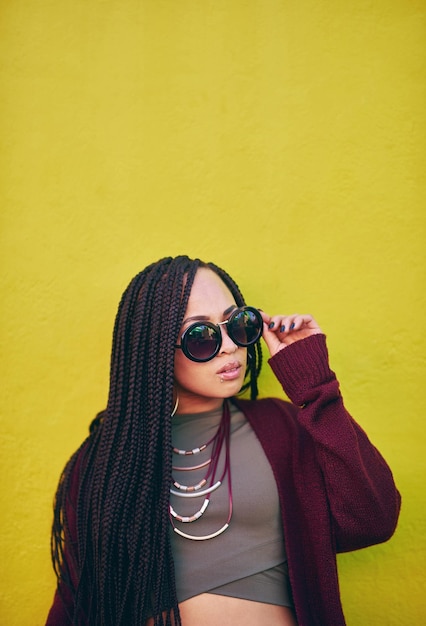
(59, 614)
(361, 492)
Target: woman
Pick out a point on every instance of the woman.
(188, 505)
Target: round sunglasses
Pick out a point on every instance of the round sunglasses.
(201, 341)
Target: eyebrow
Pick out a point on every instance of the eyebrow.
(199, 318)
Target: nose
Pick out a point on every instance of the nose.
(228, 346)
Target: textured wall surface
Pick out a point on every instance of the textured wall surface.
(283, 140)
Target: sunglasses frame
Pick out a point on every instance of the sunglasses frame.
(216, 328)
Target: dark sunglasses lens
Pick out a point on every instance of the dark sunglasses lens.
(201, 342)
(246, 327)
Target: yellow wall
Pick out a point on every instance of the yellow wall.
(282, 140)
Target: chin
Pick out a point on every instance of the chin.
(231, 388)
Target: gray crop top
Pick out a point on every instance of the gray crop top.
(248, 560)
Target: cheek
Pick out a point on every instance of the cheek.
(185, 370)
(192, 378)
(244, 359)
(179, 366)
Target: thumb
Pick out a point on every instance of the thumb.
(272, 341)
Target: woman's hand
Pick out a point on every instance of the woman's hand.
(279, 331)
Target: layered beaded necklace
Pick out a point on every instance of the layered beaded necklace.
(218, 441)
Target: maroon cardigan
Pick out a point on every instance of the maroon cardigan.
(336, 491)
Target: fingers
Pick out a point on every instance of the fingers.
(282, 330)
(286, 324)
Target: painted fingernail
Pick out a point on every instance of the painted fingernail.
(292, 326)
(271, 325)
(282, 329)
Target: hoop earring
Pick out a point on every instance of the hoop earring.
(175, 408)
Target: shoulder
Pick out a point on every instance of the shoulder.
(81, 456)
(274, 422)
(76, 468)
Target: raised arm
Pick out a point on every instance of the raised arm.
(363, 499)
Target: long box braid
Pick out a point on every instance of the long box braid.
(121, 569)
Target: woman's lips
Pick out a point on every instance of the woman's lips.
(230, 371)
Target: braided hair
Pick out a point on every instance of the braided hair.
(110, 546)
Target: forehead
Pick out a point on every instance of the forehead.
(209, 292)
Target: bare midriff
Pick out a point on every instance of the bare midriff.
(214, 610)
